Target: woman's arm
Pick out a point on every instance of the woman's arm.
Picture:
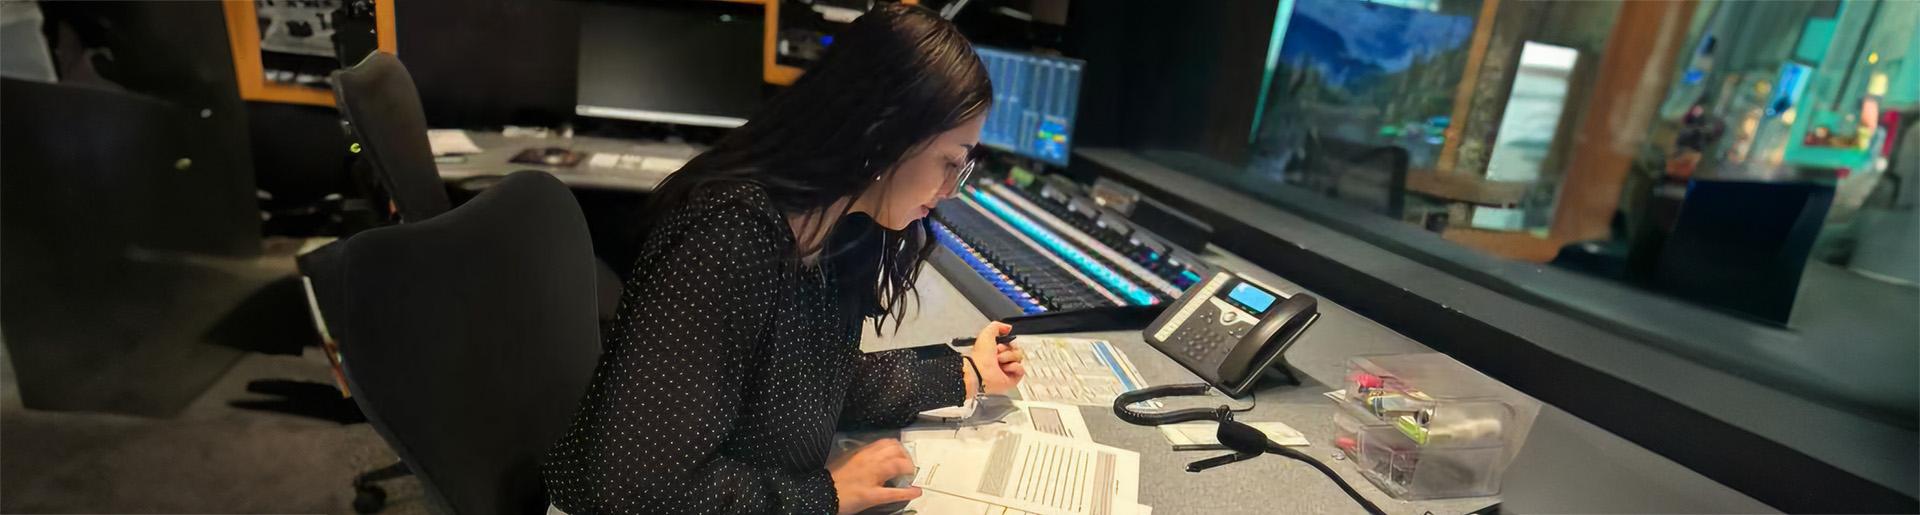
(669, 387)
(890, 387)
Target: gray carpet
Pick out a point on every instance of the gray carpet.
(210, 458)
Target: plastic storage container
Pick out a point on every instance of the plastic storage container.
(1423, 426)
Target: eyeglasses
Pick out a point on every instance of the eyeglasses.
(966, 172)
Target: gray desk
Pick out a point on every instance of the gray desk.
(497, 151)
(1567, 465)
(1269, 484)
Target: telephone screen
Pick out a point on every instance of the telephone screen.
(1251, 297)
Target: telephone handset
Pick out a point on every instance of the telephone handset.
(1228, 330)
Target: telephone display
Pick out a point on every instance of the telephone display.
(1251, 297)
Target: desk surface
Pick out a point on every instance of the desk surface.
(1567, 465)
(497, 151)
(1269, 484)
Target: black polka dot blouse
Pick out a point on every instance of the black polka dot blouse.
(727, 373)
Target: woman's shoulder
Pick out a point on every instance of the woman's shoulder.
(727, 210)
(745, 194)
(728, 199)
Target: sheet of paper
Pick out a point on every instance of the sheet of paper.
(932, 502)
(1195, 436)
(1044, 417)
(1054, 419)
(1076, 371)
(450, 141)
(603, 160)
(661, 165)
(1032, 472)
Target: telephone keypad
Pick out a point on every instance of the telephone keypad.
(1205, 342)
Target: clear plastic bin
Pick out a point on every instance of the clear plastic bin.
(1423, 426)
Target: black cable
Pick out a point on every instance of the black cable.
(1243, 439)
(1253, 400)
(1324, 469)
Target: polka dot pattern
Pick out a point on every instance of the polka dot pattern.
(727, 373)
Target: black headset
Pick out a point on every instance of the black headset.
(1245, 441)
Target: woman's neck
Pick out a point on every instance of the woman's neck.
(810, 229)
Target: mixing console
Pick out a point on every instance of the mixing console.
(1050, 249)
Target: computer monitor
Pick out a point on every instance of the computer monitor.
(690, 63)
(1034, 100)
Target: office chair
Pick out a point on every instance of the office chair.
(301, 161)
(470, 337)
(382, 108)
(1741, 246)
(383, 111)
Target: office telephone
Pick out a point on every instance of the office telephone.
(1230, 330)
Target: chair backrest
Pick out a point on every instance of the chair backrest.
(383, 110)
(1741, 246)
(470, 338)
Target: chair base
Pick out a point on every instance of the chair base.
(369, 497)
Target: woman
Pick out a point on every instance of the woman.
(735, 356)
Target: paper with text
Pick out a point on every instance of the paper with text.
(1032, 472)
(1044, 417)
(1075, 371)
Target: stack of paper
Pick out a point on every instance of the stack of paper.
(1076, 371)
(1040, 459)
(450, 142)
(1044, 417)
(1027, 472)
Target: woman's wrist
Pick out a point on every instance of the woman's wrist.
(969, 380)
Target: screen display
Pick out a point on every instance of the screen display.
(1252, 297)
(691, 63)
(1035, 98)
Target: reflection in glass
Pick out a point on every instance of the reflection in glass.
(1526, 132)
(1363, 73)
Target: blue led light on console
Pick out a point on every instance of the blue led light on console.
(1106, 276)
(986, 270)
(1189, 278)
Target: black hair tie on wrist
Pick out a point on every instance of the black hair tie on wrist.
(979, 381)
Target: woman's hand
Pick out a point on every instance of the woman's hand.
(861, 477)
(1000, 363)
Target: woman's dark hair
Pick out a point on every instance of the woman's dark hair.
(893, 80)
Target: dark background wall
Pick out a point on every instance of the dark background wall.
(1183, 76)
(486, 63)
(178, 54)
(1179, 76)
(127, 210)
